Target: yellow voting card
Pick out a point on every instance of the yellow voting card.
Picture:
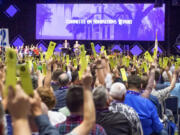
(93, 49)
(25, 78)
(50, 50)
(11, 60)
(44, 69)
(123, 73)
(34, 66)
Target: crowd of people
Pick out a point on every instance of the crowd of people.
(100, 94)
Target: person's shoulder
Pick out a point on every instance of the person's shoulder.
(59, 125)
(128, 108)
(177, 85)
(99, 129)
(110, 115)
(59, 91)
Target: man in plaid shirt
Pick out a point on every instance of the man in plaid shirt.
(74, 102)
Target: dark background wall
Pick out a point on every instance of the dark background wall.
(24, 22)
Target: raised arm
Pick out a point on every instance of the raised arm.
(168, 74)
(150, 84)
(42, 120)
(100, 71)
(89, 117)
(173, 81)
(47, 80)
(19, 107)
(164, 93)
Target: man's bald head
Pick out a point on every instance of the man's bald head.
(63, 79)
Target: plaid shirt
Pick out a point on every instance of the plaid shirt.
(73, 121)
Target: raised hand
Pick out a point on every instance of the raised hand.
(18, 103)
(35, 102)
(87, 78)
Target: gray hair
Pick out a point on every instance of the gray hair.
(118, 90)
(63, 79)
(100, 96)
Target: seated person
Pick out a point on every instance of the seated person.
(114, 123)
(60, 94)
(145, 108)
(118, 92)
(74, 102)
(47, 97)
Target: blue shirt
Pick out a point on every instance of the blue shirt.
(175, 91)
(146, 110)
(60, 95)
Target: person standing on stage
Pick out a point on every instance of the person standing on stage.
(66, 45)
(76, 48)
(66, 48)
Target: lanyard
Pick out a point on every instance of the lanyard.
(62, 88)
(133, 92)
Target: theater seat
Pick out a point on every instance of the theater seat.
(172, 104)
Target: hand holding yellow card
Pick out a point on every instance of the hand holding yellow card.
(50, 50)
(26, 81)
(102, 49)
(165, 62)
(93, 49)
(34, 66)
(123, 73)
(148, 56)
(11, 60)
(75, 63)
(44, 69)
(67, 60)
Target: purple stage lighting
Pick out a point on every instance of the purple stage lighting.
(58, 48)
(116, 47)
(136, 50)
(159, 50)
(11, 11)
(18, 42)
(42, 45)
(98, 48)
(178, 46)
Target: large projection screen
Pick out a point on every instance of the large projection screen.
(137, 22)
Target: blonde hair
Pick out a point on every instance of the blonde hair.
(47, 96)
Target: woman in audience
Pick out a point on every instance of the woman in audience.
(62, 75)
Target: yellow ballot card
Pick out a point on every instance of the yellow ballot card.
(105, 53)
(11, 60)
(127, 61)
(160, 62)
(123, 73)
(134, 58)
(145, 67)
(67, 60)
(165, 62)
(50, 50)
(176, 65)
(93, 49)
(34, 66)
(75, 62)
(44, 69)
(148, 57)
(80, 74)
(41, 56)
(102, 49)
(25, 78)
(111, 62)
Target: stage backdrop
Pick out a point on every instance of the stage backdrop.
(138, 22)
